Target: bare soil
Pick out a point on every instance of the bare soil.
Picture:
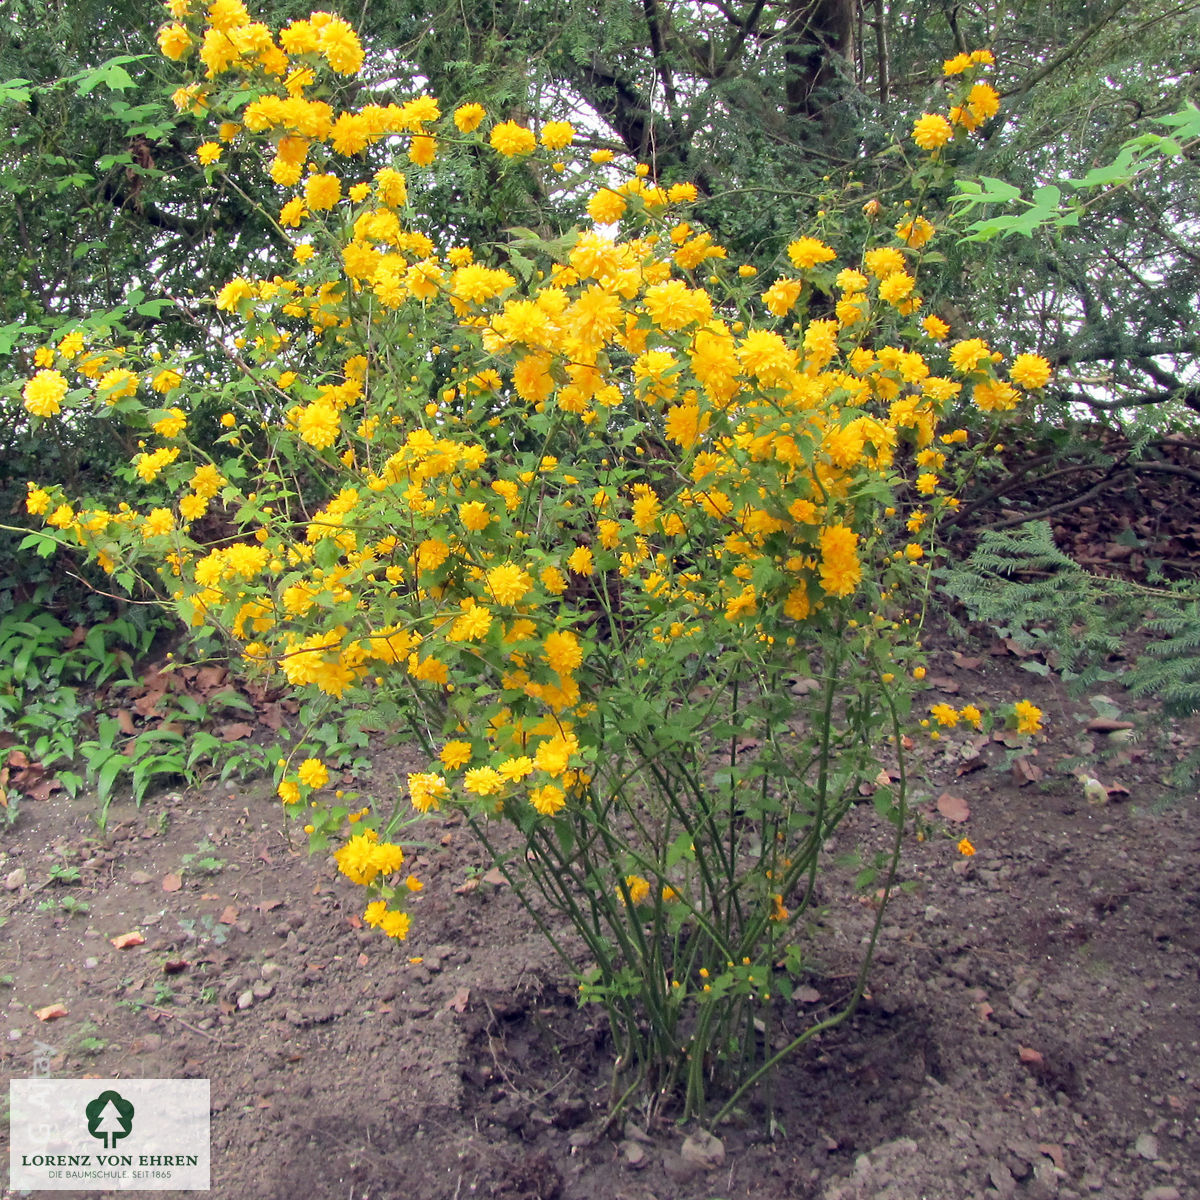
(1031, 1028)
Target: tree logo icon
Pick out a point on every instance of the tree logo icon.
(109, 1117)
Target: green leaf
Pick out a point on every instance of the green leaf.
(15, 91)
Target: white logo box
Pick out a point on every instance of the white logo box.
(108, 1134)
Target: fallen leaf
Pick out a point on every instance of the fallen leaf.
(125, 721)
(1030, 1057)
(139, 877)
(42, 789)
(466, 888)
(175, 965)
(953, 808)
(943, 683)
(1107, 725)
(1015, 647)
(984, 1010)
(229, 915)
(271, 715)
(209, 678)
(363, 960)
(1026, 772)
(965, 663)
(124, 940)
(459, 1000)
(354, 921)
(51, 1012)
(495, 876)
(807, 995)
(235, 731)
(269, 905)
(171, 883)
(1054, 1153)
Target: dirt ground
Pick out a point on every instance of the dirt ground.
(1031, 1028)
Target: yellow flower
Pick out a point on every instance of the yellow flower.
(606, 207)
(159, 521)
(943, 714)
(806, 252)
(37, 501)
(932, 131)
(840, 568)
(319, 424)
(548, 799)
(916, 232)
(956, 65)
(174, 41)
(474, 515)
(468, 117)
(483, 781)
(936, 328)
(313, 772)
(422, 150)
(289, 791)
(208, 153)
(322, 191)
(338, 42)
(638, 888)
(556, 135)
(581, 561)
(1028, 717)
(172, 425)
(1030, 371)
(983, 101)
(511, 139)
(508, 583)
(969, 355)
(165, 380)
(43, 393)
(965, 848)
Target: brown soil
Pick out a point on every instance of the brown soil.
(1031, 1028)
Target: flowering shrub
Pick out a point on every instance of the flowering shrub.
(632, 546)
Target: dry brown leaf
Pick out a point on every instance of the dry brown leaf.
(124, 940)
(51, 1012)
(495, 876)
(458, 1002)
(1054, 1153)
(943, 683)
(1025, 771)
(209, 678)
(171, 882)
(229, 915)
(235, 731)
(125, 721)
(953, 808)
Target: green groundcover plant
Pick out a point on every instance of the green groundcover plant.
(633, 547)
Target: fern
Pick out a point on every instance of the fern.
(1170, 668)
(1024, 586)
(1019, 582)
